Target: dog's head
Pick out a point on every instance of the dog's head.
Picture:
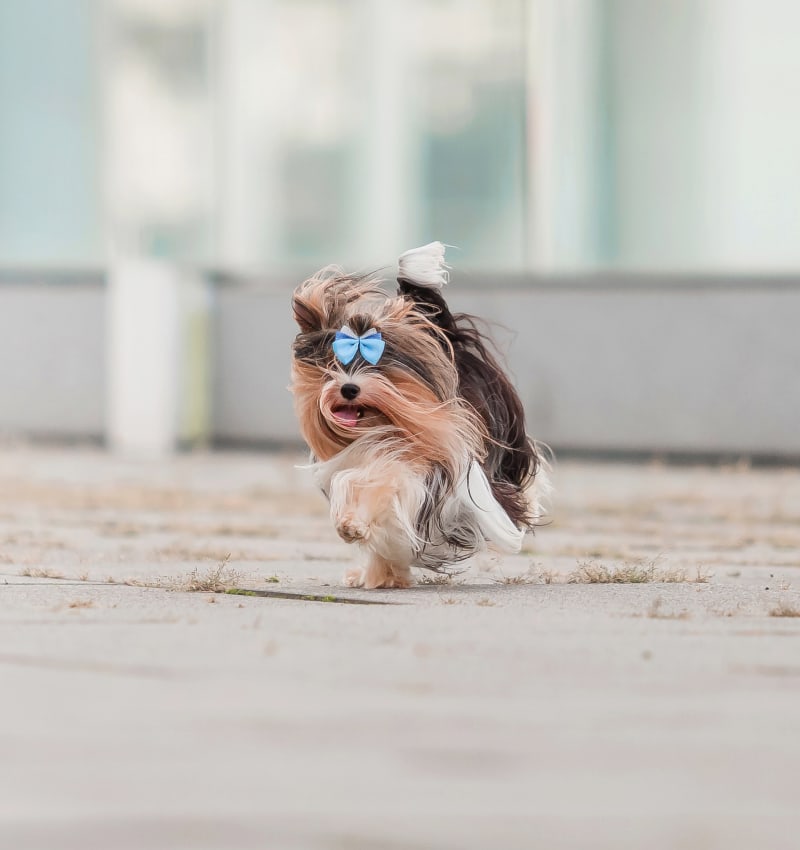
(364, 360)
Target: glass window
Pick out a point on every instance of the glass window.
(50, 145)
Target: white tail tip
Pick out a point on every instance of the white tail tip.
(425, 266)
(494, 522)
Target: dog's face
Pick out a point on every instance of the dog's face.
(411, 388)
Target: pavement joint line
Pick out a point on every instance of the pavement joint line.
(68, 583)
(230, 591)
(307, 597)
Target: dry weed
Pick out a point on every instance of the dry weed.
(215, 580)
(33, 572)
(702, 576)
(436, 578)
(785, 609)
(523, 578)
(535, 574)
(589, 572)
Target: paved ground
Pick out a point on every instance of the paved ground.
(526, 706)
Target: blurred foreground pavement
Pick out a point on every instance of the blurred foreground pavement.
(522, 705)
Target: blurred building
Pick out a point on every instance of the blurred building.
(568, 148)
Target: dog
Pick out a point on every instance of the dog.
(417, 435)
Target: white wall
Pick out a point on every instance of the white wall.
(706, 130)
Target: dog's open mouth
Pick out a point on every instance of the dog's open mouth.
(349, 415)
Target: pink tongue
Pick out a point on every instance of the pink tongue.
(346, 415)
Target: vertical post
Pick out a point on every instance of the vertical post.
(159, 197)
(158, 357)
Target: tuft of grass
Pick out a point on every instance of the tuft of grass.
(523, 578)
(589, 572)
(215, 580)
(785, 609)
(436, 578)
(533, 575)
(539, 575)
(449, 600)
(486, 603)
(81, 603)
(272, 579)
(32, 572)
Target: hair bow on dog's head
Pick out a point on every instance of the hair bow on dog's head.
(346, 344)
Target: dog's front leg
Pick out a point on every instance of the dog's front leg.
(353, 510)
(377, 507)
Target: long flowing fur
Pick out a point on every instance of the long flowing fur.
(512, 459)
(424, 456)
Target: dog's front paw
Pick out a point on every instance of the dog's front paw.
(351, 529)
(354, 577)
(387, 580)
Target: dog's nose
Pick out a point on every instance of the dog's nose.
(350, 391)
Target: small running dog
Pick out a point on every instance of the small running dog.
(416, 433)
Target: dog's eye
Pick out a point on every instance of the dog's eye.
(313, 348)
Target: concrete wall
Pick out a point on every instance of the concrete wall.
(606, 364)
(251, 335)
(655, 368)
(603, 363)
(52, 356)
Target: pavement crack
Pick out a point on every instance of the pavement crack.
(305, 597)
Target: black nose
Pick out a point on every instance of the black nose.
(350, 391)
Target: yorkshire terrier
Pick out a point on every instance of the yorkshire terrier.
(416, 433)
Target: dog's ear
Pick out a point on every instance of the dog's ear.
(321, 302)
(422, 275)
(307, 307)
(306, 313)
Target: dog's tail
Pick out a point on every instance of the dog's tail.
(513, 459)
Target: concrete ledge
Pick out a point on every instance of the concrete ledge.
(622, 364)
(52, 358)
(623, 367)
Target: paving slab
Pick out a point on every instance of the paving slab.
(530, 702)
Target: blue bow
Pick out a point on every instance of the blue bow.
(370, 345)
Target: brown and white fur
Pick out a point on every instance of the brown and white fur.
(424, 456)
